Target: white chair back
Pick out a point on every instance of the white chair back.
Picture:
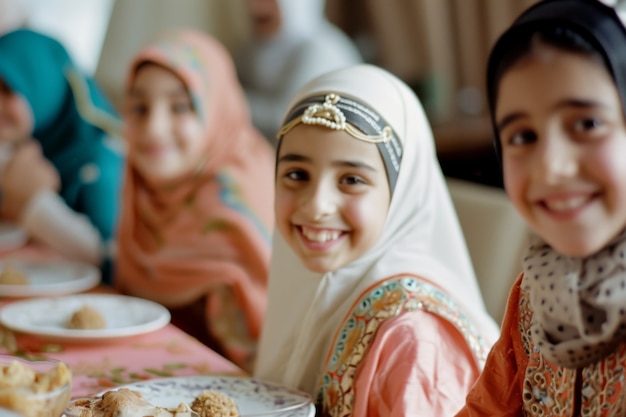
(496, 237)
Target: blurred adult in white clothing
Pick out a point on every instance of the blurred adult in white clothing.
(291, 43)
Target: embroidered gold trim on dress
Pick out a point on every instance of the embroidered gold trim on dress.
(329, 115)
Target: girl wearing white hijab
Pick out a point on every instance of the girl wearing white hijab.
(373, 304)
(292, 43)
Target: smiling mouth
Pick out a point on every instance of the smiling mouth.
(154, 151)
(567, 205)
(319, 235)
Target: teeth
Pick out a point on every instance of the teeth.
(320, 235)
(566, 204)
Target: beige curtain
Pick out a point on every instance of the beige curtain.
(440, 47)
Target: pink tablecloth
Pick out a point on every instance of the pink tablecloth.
(166, 352)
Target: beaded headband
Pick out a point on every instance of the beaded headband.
(329, 114)
(359, 121)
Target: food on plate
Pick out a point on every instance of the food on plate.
(214, 404)
(8, 341)
(33, 393)
(11, 275)
(124, 403)
(86, 318)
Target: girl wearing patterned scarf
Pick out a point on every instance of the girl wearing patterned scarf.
(197, 215)
(373, 305)
(557, 88)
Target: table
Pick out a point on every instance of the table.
(166, 352)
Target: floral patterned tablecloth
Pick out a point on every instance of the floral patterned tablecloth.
(166, 352)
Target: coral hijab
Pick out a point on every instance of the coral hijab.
(211, 229)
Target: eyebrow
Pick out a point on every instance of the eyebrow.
(575, 103)
(292, 157)
(138, 92)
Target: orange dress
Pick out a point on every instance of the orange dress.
(518, 381)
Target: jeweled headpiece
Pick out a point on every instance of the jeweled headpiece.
(358, 120)
(330, 115)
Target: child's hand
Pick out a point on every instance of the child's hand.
(27, 172)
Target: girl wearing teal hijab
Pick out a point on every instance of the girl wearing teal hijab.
(43, 96)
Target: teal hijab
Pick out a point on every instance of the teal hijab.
(40, 69)
(72, 118)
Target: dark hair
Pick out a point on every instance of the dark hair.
(586, 27)
(558, 37)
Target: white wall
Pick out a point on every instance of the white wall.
(134, 22)
(80, 25)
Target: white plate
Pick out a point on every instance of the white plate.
(253, 397)
(52, 277)
(46, 317)
(11, 236)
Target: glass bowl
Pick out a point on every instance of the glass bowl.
(34, 388)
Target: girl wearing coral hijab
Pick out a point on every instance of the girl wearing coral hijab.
(197, 211)
(373, 305)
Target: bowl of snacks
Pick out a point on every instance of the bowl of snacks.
(34, 388)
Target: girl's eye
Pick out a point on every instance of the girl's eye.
(522, 137)
(296, 175)
(587, 124)
(352, 180)
(137, 109)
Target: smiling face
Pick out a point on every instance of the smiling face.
(563, 140)
(332, 196)
(16, 118)
(165, 136)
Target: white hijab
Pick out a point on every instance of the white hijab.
(422, 236)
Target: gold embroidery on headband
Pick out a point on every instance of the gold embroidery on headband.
(329, 115)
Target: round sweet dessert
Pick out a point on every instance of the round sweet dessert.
(86, 318)
(214, 404)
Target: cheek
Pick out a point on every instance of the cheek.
(284, 205)
(190, 138)
(367, 215)
(608, 169)
(513, 175)
(130, 132)
(133, 140)
(23, 115)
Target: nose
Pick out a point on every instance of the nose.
(318, 200)
(557, 158)
(157, 122)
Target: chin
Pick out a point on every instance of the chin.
(313, 267)
(317, 267)
(578, 249)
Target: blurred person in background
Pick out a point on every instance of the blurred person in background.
(291, 43)
(60, 172)
(196, 223)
